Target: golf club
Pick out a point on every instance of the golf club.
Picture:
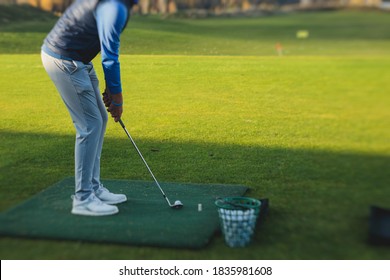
(177, 204)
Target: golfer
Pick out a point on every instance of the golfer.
(86, 28)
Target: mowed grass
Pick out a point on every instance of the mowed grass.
(330, 33)
(309, 130)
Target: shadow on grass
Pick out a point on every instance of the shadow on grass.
(319, 200)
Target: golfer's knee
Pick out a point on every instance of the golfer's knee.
(93, 128)
(98, 124)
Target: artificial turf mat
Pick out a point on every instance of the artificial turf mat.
(145, 219)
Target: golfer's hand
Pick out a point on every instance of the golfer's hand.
(107, 98)
(115, 106)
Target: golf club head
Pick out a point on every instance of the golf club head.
(177, 205)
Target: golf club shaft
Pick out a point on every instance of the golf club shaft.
(144, 161)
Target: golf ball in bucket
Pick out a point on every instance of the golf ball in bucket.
(238, 217)
(238, 226)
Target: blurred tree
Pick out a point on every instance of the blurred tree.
(161, 6)
(144, 6)
(172, 8)
(246, 5)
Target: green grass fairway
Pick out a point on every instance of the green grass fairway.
(209, 101)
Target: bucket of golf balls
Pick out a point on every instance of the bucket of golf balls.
(238, 217)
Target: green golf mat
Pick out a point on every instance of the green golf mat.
(145, 219)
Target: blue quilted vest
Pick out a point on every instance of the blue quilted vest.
(75, 34)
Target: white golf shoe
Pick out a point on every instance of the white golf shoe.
(92, 206)
(108, 197)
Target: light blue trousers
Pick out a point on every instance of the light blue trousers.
(78, 86)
